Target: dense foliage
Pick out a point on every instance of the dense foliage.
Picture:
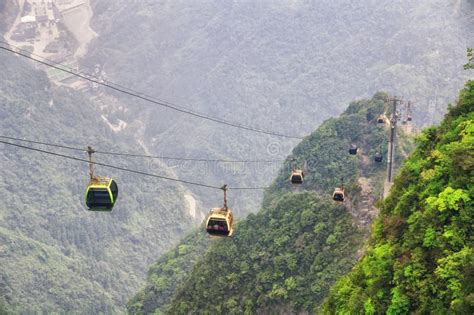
(421, 257)
(288, 254)
(168, 272)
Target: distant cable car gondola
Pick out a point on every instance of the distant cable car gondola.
(338, 194)
(297, 177)
(378, 157)
(353, 149)
(102, 192)
(220, 221)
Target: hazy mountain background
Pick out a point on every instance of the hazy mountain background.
(278, 65)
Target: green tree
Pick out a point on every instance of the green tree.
(470, 59)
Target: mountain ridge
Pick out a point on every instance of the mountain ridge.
(420, 257)
(175, 286)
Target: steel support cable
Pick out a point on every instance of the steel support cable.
(141, 155)
(149, 98)
(126, 169)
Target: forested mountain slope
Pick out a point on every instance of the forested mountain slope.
(288, 254)
(285, 256)
(421, 257)
(56, 256)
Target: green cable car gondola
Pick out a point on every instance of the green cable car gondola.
(102, 192)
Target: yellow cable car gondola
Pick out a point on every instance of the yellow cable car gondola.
(297, 177)
(102, 192)
(220, 221)
(338, 194)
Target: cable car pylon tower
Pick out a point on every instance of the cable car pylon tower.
(391, 144)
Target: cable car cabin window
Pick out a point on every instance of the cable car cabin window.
(353, 150)
(99, 195)
(114, 189)
(217, 227)
(338, 197)
(99, 198)
(297, 177)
